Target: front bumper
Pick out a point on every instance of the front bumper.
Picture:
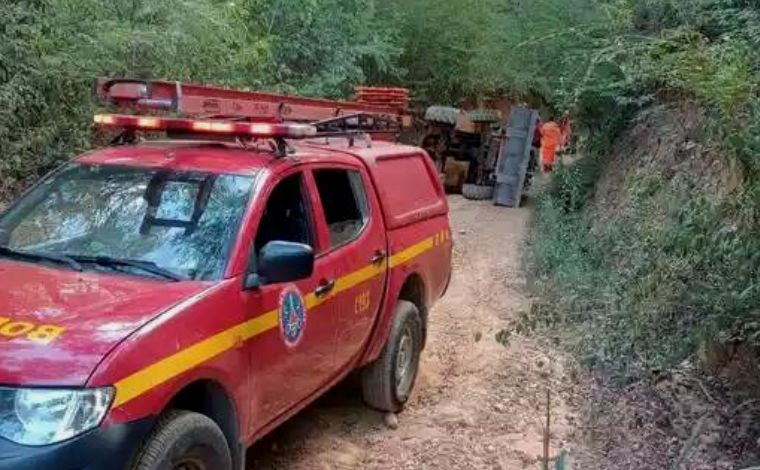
(107, 448)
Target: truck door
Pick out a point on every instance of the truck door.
(292, 360)
(356, 256)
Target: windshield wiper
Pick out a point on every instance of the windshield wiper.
(39, 256)
(147, 266)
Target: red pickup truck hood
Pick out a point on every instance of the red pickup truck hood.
(87, 313)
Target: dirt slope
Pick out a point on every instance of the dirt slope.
(478, 403)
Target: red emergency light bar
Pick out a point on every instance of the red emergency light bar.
(206, 126)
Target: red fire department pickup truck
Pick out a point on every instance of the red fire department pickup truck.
(164, 303)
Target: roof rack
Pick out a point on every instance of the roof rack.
(386, 107)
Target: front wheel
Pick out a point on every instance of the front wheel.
(184, 440)
(387, 383)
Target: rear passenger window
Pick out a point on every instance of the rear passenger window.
(344, 202)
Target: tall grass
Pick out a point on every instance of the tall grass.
(678, 260)
(674, 265)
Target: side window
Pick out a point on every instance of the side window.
(344, 202)
(286, 216)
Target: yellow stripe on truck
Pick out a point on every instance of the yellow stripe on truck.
(152, 376)
(184, 360)
(413, 251)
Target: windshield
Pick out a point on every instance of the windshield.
(181, 222)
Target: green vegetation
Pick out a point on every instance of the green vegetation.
(640, 292)
(51, 50)
(677, 261)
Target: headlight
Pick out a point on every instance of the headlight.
(39, 416)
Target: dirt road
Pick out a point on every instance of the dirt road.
(481, 395)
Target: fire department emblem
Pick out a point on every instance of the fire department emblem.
(292, 315)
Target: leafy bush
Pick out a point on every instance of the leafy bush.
(677, 261)
(645, 288)
(52, 50)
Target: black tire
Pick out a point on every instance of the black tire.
(185, 436)
(380, 386)
(477, 192)
(442, 115)
(484, 115)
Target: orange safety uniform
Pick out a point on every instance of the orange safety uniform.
(551, 137)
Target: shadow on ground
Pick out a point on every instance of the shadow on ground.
(340, 410)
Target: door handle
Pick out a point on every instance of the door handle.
(378, 257)
(324, 287)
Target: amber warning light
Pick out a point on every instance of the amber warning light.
(242, 129)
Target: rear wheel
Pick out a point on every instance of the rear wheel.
(477, 192)
(387, 383)
(184, 440)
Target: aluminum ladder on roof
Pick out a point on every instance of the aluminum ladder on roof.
(512, 165)
(188, 99)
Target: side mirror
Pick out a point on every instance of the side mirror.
(281, 262)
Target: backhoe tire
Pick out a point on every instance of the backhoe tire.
(477, 192)
(487, 116)
(387, 383)
(184, 437)
(442, 115)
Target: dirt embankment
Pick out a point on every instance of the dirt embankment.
(702, 414)
(480, 399)
(668, 141)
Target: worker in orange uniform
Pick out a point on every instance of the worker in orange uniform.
(551, 137)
